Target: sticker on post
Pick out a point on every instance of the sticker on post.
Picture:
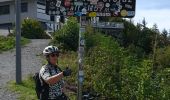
(78, 13)
(58, 4)
(82, 42)
(81, 73)
(80, 79)
(80, 61)
(81, 49)
(84, 11)
(130, 13)
(93, 2)
(92, 14)
(67, 3)
(123, 13)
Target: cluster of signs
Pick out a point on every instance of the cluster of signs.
(91, 8)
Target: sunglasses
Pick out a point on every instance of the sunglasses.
(54, 55)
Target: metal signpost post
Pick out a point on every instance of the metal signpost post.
(18, 38)
(80, 60)
(89, 8)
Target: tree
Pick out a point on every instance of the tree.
(67, 37)
(144, 23)
(164, 38)
(164, 33)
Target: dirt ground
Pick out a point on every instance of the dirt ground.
(31, 63)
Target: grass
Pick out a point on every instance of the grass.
(69, 59)
(26, 88)
(7, 43)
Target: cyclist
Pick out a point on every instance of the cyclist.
(52, 76)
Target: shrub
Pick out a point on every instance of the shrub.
(103, 66)
(32, 29)
(163, 57)
(90, 38)
(67, 37)
(111, 71)
(7, 43)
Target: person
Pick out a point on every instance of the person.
(52, 76)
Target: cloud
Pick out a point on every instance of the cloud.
(160, 17)
(154, 11)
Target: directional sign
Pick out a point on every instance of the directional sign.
(91, 8)
(110, 25)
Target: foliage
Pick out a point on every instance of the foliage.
(163, 39)
(104, 58)
(163, 57)
(90, 38)
(32, 29)
(69, 59)
(139, 39)
(116, 74)
(26, 89)
(140, 36)
(67, 37)
(7, 43)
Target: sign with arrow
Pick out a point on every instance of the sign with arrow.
(91, 8)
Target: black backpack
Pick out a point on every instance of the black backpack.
(42, 88)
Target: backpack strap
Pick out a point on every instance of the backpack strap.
(56, 69)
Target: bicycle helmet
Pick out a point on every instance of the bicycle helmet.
(49, 50)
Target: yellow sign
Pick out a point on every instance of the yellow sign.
(123, 13)
(92, 14)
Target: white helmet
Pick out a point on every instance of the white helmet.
(50, 49)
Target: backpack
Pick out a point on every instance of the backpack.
(41, 87)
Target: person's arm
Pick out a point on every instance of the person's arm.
(55, 78)
(45, 75)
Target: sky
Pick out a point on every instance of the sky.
(154, 11)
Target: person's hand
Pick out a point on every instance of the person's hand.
(67, 72)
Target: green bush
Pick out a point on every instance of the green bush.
(7, 43)
(102, 65)
(116, 74)
(67, 37)
(163, 57)
(32, 29)
(90, 38)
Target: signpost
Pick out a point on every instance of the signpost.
(18, 38)
(80, 60)
(90, 8)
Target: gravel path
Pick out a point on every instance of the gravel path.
(31, 63)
